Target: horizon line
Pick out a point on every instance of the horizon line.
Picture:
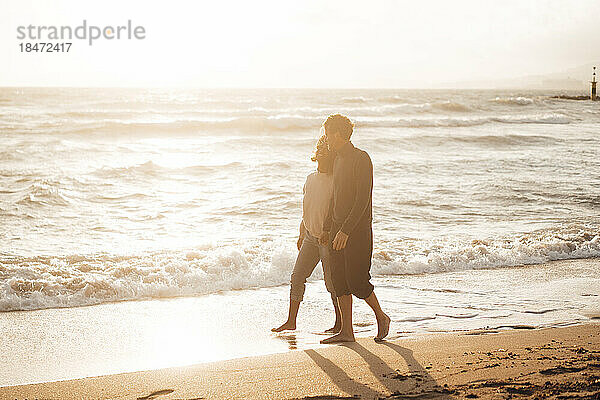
(284, 87)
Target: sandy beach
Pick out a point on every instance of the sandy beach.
(59, 344)
(542, 363)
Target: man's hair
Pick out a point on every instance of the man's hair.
(339, 123)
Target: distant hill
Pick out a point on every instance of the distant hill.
(577, 78)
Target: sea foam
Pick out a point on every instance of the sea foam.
(49, 282)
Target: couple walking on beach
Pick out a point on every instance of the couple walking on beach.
(336, 229)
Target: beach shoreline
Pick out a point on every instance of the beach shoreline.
(78, 342)
(548, 363)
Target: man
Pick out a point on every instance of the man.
(349, 225)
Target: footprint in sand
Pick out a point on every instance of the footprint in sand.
(164, 392)
(156, 394)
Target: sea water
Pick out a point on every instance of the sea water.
(109, 195)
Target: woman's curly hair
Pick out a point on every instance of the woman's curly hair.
(323, 154)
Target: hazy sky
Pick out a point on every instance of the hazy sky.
(315, 43)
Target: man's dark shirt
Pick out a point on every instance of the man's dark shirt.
(352, 205)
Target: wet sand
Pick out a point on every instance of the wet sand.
(561, 363)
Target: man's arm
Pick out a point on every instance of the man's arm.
(363, 173)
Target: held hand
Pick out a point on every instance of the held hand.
(339, 242)
(299, 243)
(324, 239)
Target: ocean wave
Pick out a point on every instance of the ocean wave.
(355, 99)
(532, 248)
(46, 282)
(150, 168)
(146, 168)
(441, 107)
(393, 99)
(473, 121)
(243, 124)
(484, 140)
(451, 106)
(394, 116)
(13, 154)
(518, 101)
(70, 281)
(534, 119)
(467, 121)
(252, 124)
(181, 113)
(132, 196)
(44, 192)
(188, 119)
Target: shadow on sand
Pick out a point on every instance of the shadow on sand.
(416, 384)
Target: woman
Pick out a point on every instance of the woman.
(318, 192)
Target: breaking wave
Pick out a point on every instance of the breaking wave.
(533, 248)
(518, 101)
(266, 125)
(77, 280)
(43, 192)
(469, 121)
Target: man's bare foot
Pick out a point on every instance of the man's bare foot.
(334, 329)
(383, 327)
(339, 338)
(287, 326)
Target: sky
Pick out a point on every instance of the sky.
(309, 43)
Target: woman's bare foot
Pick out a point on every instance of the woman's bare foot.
(287, 326)
(334, 329)
(383, 327)
(339, 338)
